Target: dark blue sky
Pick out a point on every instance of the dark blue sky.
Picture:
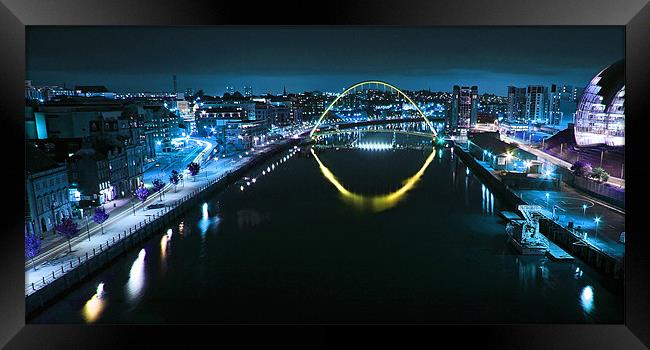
(318, 58)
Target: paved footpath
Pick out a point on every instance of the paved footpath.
(58, 260)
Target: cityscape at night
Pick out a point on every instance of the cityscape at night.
(324, 175)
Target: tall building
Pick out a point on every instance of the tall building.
(536, 104)
(568, 101)
(600, 116)
(230, 90)
(464, 108)
(516, 104)
(248, 91)
(554, 111)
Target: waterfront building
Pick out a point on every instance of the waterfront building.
(498, 154)
(46, 191)
(600, 116)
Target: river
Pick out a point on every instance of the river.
(373, 233)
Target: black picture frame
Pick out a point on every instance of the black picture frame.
(15, 15)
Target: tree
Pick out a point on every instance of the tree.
(68, 229)
(158, 185)
(142, 193)
(194, 169)
(32, 246)
(581, 168)
(599, 174)
(100, 216)
(174, 178)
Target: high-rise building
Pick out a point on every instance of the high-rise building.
(566, 101)
(248, 91)
(516, 104)
(536, 104)
(554, 111)
(464, 108)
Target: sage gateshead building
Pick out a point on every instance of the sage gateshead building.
(600, 117)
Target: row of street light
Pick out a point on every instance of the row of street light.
(270, 167)
(597, 219)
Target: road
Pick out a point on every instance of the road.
(556, 161)
(127, 209)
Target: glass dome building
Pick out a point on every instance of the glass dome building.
(600, 116)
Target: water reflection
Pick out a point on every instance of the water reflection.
(94, 306)
(487, 202)
(587, 299)
(136, 277)
(164, 242)
(380, 202)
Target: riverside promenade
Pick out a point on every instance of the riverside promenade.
(58, 261)
(594, 242)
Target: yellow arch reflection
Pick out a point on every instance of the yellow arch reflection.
(433, 131)
(377, 202)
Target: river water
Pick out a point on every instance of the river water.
(354, 235)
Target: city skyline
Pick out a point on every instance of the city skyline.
(326, 59)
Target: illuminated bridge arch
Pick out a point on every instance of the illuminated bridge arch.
(373, 82)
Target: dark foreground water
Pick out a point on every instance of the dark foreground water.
(368, 236)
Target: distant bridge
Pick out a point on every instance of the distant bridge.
(376, 83)
(396, 131)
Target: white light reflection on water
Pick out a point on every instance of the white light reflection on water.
(204, 210)
(164, 242)
(587, 299)
(136, 277)
(94, 306)
(491, 203)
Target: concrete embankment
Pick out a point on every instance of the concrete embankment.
(109, 251)
(564, 238)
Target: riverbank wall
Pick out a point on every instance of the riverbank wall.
(607, 265)
(83, 269)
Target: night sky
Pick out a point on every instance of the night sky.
(129, 59)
